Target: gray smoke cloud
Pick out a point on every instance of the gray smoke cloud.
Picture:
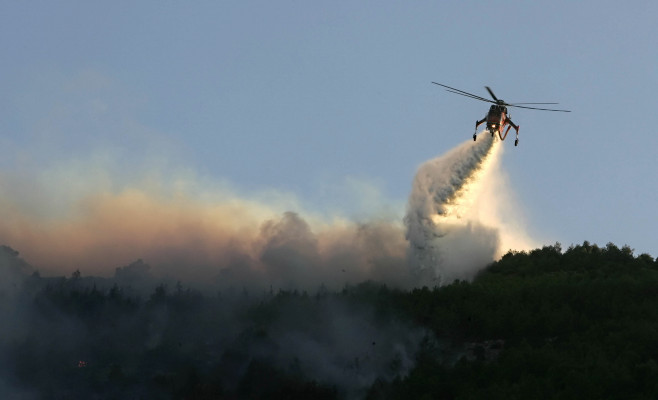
(202, 235)
(340, 342)
(193, 230)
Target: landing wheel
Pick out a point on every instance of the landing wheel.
(516, 142)
(474, 137)
(492, 133)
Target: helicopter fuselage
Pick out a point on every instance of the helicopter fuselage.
(496, 119)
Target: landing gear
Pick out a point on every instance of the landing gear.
(516, 142)
(474, 136)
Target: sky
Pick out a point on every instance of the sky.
(329, 106)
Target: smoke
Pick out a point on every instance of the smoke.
(193, 230)
(340, 342)
(80, 216)
(460, 214)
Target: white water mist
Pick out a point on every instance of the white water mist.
(457, 217)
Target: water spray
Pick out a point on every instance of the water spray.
(456, 214)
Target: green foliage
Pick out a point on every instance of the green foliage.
(576, 324)
(544, 324)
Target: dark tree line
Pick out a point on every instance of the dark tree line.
(579, 323)
(582, 323)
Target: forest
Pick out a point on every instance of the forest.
(546, 324)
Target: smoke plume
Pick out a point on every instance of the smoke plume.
(193, 231)
(79, 217)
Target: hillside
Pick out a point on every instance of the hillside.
(546, 324)
(579, 323)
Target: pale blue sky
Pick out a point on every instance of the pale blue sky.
(307, 97)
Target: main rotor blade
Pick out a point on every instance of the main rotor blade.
(513, 104)
(462, 92)
(471, 96)
(535, 108)
(491, 93)
(476, 97)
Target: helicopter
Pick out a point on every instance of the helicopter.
(498, 116)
